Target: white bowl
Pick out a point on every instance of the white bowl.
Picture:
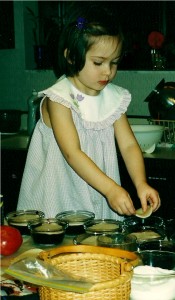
(154, 277)
(148, 136)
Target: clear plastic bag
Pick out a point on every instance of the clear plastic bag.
(40, 273)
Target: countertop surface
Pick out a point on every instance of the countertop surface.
(162, 153)
(21, 140)
(16, 141)
(28, 244)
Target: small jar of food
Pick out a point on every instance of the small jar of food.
(152, 228)
(76, 220)
(47, 231)
(103, 226)
(118, 240)
(19, 219)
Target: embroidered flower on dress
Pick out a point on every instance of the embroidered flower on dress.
(80, 97)
(76, 99)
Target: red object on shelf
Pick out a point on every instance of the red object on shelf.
(156, 39)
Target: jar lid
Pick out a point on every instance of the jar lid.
(85, 239)
(102, 226)
(23, 216)
(51, 225)
(76, 217)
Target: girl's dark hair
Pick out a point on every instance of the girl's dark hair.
(91, 20)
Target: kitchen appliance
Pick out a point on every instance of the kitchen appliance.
(161, 101)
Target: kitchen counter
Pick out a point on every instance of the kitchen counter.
(17, 141)
(28, 244)
(162, 153)
(20, 141)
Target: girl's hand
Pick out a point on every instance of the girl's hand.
(147, 194)
(120, 201)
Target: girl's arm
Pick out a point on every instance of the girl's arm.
(60, 119)
(133, 158)
(130, 150)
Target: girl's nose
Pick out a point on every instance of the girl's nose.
(107, 69)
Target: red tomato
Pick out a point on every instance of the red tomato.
(11, 240)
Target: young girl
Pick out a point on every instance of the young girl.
(72, 159)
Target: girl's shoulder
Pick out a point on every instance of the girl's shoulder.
(60, 92)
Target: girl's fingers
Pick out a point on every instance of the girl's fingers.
(126, 207)
(155, 204)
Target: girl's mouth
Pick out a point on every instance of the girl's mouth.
(103, 82)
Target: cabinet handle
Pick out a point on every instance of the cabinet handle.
(157, 178)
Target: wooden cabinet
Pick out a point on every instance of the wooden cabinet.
(161, 176)
(12, 167)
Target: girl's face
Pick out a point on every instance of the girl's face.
(100, 65)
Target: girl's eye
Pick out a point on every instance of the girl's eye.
(97, 63)
(115, 62)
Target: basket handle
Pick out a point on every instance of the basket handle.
(134, 259)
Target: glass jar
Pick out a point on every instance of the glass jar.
(19, 219)
(151, 228)
(76, 220)
(47, 231)
(102, 226)
(118, 240)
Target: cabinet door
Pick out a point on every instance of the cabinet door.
(12, 167)
(161, 176)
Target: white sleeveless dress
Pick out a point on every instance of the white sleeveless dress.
(49, 184)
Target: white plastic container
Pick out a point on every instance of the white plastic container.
(148, 136)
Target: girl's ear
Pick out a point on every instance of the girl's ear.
(66, 55)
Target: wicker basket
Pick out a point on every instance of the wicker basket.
(110, 272)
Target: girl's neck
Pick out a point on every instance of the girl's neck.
(83, 89)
